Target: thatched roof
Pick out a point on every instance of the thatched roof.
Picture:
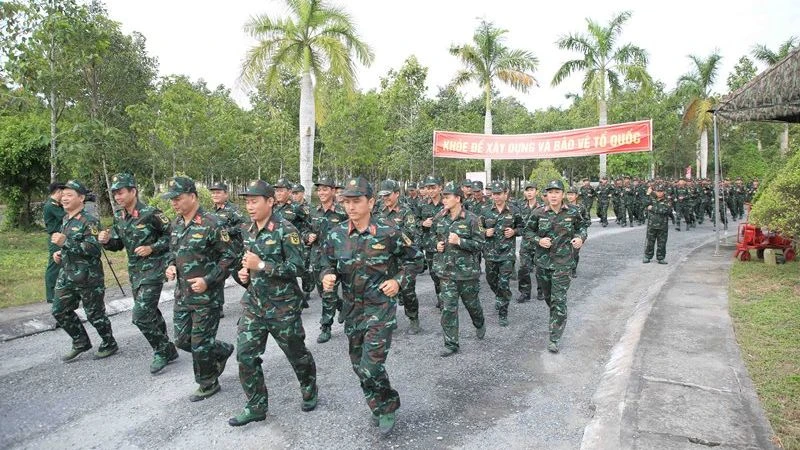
(772, 95)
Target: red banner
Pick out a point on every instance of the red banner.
(618, 138)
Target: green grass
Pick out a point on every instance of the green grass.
(765, 308)
(23, 259)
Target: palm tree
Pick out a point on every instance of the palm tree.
(317, 39)
(604, 64)
(770, 58)
(488, 58)
(697, 86)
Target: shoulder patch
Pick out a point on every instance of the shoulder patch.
(294, 238)
(223, 234)
(163, 218)
(406, 239)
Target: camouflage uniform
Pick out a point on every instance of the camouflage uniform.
(427, 240)
(302, 214)
(618, 202)
(200, 248)
(81, 280)
(605, 194)
(458, 269)
(53, 215)
(587, 219)
(526, 253)
(500, 251)
(363, 260)
(231, 218)
(272, 306)
(587, 194)
(144, 226)
(657, 227)
(681, 201)
(553, 265)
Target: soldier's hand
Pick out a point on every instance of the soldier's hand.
(328, 282)
(57, 257)
(509, 232)
(250, 260)
(244, 275)
(198, 285)
(650, 207)
(390, 287)
(545, 242)
(428, 222)
(143, 250)
(454, 239)
(577, 243)
(311, 238)
(440, 246)
(489, 232)
(103, 237)
(58, 239)
(171, 273)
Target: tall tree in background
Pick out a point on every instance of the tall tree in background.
(487, 59)
(317, 39)
(696, 85)
(604, 64)
(770, 58)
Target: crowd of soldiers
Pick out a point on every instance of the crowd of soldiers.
(368, 245)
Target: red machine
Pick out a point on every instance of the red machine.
(751, 237)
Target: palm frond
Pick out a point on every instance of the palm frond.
(567, 69)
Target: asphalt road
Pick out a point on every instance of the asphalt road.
(504, 391)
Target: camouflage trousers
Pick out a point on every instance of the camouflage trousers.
(290, 336)
(196, 332)
(699, 211)
(555, 283)
(331, 302)
(629, 212)
(684, 210)
(147, 317)
(368, 326)
(526, 267)
(429, 261)
(602, 212)
(656, 239)
(66, 300)
(452, 290)
(619, 211)
(408, 298)
(51, 273)
(498, 275)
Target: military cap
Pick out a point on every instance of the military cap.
(55, 186)
(451, 188)
(529, 184)
(387, 187)
(258, 187)
(178, 186)
(122, 180)
(282, 183)
(76, 186)
(660, 187)
(572, 190)
(477, 185)
(412, 186)
(554, 184)
(325, 181)
(431, 180)
(466, 183)
(338, 185)
(218, 186)
(297, 187)
(356, 187)
(497, 186)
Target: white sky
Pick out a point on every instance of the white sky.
(204, 39)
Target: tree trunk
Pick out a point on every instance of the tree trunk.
(307, 116)
(487, 129)
(603, 110)
(108, 185)
(703, 169)
(785, 140)
(53, 131)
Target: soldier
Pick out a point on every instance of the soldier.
(587, 193)
(618, 202)
(605, 194)
(271, 304)
(466, 189)
(143, 231)
(324, 217)
(231, 218)
(659, 211)
(502, 224)
(406, 222)
(200, 258)
(526, 248)
(427, 241)
(641, 199)
(682, 205)
(477, 202)
(572, 200)
(739, 192)
(53, 214)
(81, 276)
(412, 200)
(374, 261)
(306, 274)
(459, 236)
(558, 230)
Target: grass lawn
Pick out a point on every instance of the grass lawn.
(765, 307)
(23, 259)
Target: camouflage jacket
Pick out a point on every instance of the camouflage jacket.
(525, 212)
(629, 194)
(681, 195)
(144, 226)
(411, 203)
(53, 215)
(561, 228)
(584, 213)
(475, 206)
(274, 292)
(320, 222)
(459, 262)
(605, 192)
(403, 218)
(587, 194)
(499, 247)
(296, 214)
(80, 254)
(200, 248)
(427, 240)
(658, 216)
(362, 261)
(231, 218)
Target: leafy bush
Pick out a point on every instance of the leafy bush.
(544, 173)
(778, 207)
(164, 205)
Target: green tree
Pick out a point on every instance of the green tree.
(488, 58)
(743, 71)
(696, 86)
(764, 54)
(316, 39)
(605, 64)
(778, 206)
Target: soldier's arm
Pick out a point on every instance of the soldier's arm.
(532, 227)
(221, 241)
(292, 262)
(582, 227)
(114, 242)
(164, 229)
(85, 244)
(327, 262)
(476, 239)
(410, 259)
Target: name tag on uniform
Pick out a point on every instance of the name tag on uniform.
(379, 246)
(568, 219)
(197, 236)
(140, 226)
(269, 242)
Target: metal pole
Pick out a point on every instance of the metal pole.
(716, 183)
